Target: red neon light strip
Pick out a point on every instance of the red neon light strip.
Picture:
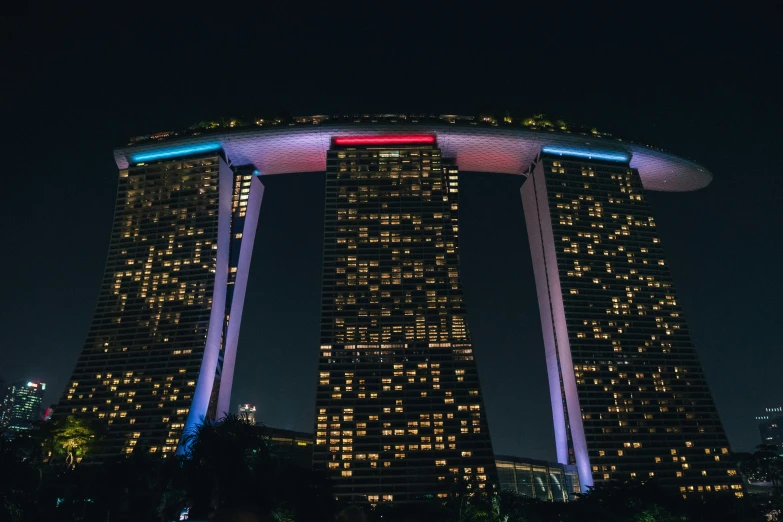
(404, 139)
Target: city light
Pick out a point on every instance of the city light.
(173, 153)
(405, 139)
(414, 173)
(587, 153)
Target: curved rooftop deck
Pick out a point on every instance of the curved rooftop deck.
(504, 149)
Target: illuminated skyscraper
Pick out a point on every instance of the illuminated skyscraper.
(629, 397)
(400, 414)
(247, 411)
(399, 409)
(161, 336)
(771, 427)
(21, 406)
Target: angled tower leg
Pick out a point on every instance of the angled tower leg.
(569, 433)
(214, 337)
(243, 233)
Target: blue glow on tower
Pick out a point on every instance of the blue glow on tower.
(173, 153)
(589, 154)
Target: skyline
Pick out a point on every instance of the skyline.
(289, 420)
(397, 367)
(498, 162)
(710, 236)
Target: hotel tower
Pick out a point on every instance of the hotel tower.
(400, 414)
(160, 352)
(629, 398)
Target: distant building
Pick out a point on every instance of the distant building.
(537, 478)
(297, 446)
(771, 427)
(3, 391)
(2, 399)
(22, 406)
(248, 411)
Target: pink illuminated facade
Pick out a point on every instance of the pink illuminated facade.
(629, 399)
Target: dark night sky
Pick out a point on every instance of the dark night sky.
(702, 84)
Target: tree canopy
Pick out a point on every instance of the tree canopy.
(230, 470)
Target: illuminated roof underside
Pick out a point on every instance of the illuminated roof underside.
(502, 150)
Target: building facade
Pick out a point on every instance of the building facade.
(21, 406)
(771, 427)
(160, 352)
(399, 413)
(629, 397)
(399, 410)
(537, 479)
(247, 411)
(294, 446)
(3, 390)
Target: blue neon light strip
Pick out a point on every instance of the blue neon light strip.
(589, 154)
(173, 153)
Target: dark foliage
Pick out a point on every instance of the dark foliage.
(229, 468)
(230, 472)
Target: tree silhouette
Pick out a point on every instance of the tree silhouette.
(764, 465)
(72, 437)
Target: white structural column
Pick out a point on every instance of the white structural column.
(566, 411)
(238, 301)
(209, 362)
